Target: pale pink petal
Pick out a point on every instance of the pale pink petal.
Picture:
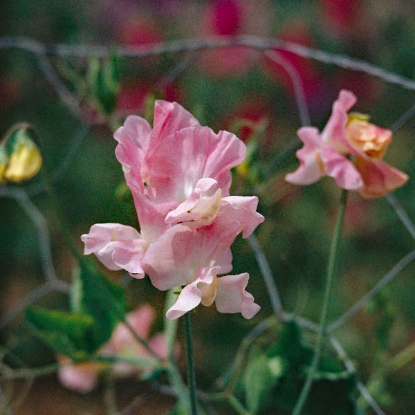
(151, 215)
(311, 168)
(240, 210)
(341, 169)
(202, 206)
(133, 139)
(81, 377)
(140, 320)
(117, 247)
(333, 133)
(158, 344)
(189, 298)
(232, 297)
(379, 178)
(225, 262)
(170, 117)
(177, 163)
(177, 256)
(202, 290)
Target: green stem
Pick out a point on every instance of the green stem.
(170, 329)
(29, 373)
(331, 267)
(401, 359)
(237, 406)
(191, 378)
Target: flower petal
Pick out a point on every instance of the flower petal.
(241, 212)
(202, 290)
(80, 377)
(117, 247)
(202, 206)
(170, 117)
(379, 178)
(333, 133)
(232, 297)
(310, 169)
(174, 166)
(341, 169)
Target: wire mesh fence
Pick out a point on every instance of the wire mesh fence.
(50, 60)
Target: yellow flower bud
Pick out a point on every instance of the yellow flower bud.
(20, 158)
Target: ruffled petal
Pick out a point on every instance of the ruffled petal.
(170, 117)
(334, 133)
(117, 247)
(232, 297)
(379, 178)
(341, 169)
(202, 290)
(133, 139)
(179, 254)
(310, 169)
(239, 212)
(202, 206)
(174, 166)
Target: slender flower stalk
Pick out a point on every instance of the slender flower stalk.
(331, 267)
(191, 378)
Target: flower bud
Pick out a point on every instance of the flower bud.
(20, 157)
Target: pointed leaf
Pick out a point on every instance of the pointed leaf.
(70, 334)
(103, 300)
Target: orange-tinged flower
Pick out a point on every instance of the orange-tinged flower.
(350, 150)
(368, 138)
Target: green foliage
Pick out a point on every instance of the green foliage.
(273, 379)
(98, 305)
(382, 309)
(103, 82)
(178, 410)
(69, 334)
(103, 300)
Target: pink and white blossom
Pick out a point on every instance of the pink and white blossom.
(179, 174)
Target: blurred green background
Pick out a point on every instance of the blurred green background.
(224, 89)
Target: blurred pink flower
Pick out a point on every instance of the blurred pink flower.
(231, 18)
(312, 80)
(350, 150)
(83, 377)
(341, 16)
(179, 174)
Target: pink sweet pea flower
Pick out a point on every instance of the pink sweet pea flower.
(179, 174)
(350, 150)
(83, 377)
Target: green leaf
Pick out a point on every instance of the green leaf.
(70, 334)
(259, 381)
(178, 410)
(103, 300)
(291, 346)
(104, 82)
(277, 377)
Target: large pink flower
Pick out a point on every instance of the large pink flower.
(350, 150)
(179, 174)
